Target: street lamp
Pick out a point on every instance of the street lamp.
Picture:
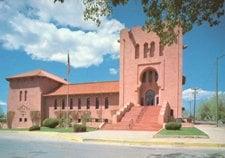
(217, 87)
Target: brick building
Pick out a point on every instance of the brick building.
(148, 93)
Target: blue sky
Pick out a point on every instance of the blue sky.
(35, 35)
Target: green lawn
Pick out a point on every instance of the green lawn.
(189, 131)
(46, 129)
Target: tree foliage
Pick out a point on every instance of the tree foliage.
(35, 117)
(10, 117)
(208, 109)
(163, 16)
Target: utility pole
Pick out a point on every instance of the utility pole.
(195, 92)
(190, 107)
(217, 88)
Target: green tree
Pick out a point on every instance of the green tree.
(35, 117)
(162, 16)
(208, 109)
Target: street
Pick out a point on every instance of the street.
(15, 146)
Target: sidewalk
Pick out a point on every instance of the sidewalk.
(216, 138)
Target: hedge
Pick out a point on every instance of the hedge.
(34, 128)
(79, 128)
(50, 122)
(173, 126)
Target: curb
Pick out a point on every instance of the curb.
(150, 143)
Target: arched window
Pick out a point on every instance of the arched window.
(63, 103)
(71, 103)
(25, 96)
(152, 49)
(161, 48)
(96, 103)
(137, 48)
(145, 50)
(149, 76)
(106, 103)
(79, 103)
(88, 103)
(21, 93)
(144, 77)
(55, 104)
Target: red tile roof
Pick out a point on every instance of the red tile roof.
(88, 88)
(39, 73)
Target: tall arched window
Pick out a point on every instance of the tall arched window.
(161, 49)
(96, 103)
(21, 93)
(152, 49)
(55, 104)
(137, 48)
(106, 103)
(63, 103)
(79, 103)
(145, 50)
(88, 103)
(71, 103)
(25, 96)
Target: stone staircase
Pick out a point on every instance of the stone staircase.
(139, 118)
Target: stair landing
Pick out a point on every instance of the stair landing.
(141, 118)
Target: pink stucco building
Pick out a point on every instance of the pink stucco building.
(148, 93)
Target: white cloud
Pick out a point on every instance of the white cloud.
(201, 94)
(40, 28)
(3, 103)
(113, 71)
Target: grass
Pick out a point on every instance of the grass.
(46, 129)
(186, 131)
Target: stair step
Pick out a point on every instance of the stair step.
(144, 118)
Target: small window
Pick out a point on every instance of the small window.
(97, 120)
(79, 103)
(79, 120)
(157, 100)
(96, 103)
(25, 119)
(152, 49)
(71, 103)
(137, 47)
(106, 103)
(88, 103)
(145, 50)
(63, 103)
(25, 96)
(55, 104)
(106, 120)
(20, 119)
(21, 93)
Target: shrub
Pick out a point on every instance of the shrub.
(34, 128)
(50, 122)
(173, 126)
(79, 128)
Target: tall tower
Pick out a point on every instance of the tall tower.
(150, 74)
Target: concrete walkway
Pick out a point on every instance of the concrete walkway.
(216, 137)
(118, 135)
(216, 134)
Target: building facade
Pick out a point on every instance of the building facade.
(150, 76)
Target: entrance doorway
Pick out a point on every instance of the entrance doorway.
(150, 98)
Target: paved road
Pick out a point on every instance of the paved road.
(15, 146)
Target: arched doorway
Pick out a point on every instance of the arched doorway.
(149, 89)
(150, 98)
